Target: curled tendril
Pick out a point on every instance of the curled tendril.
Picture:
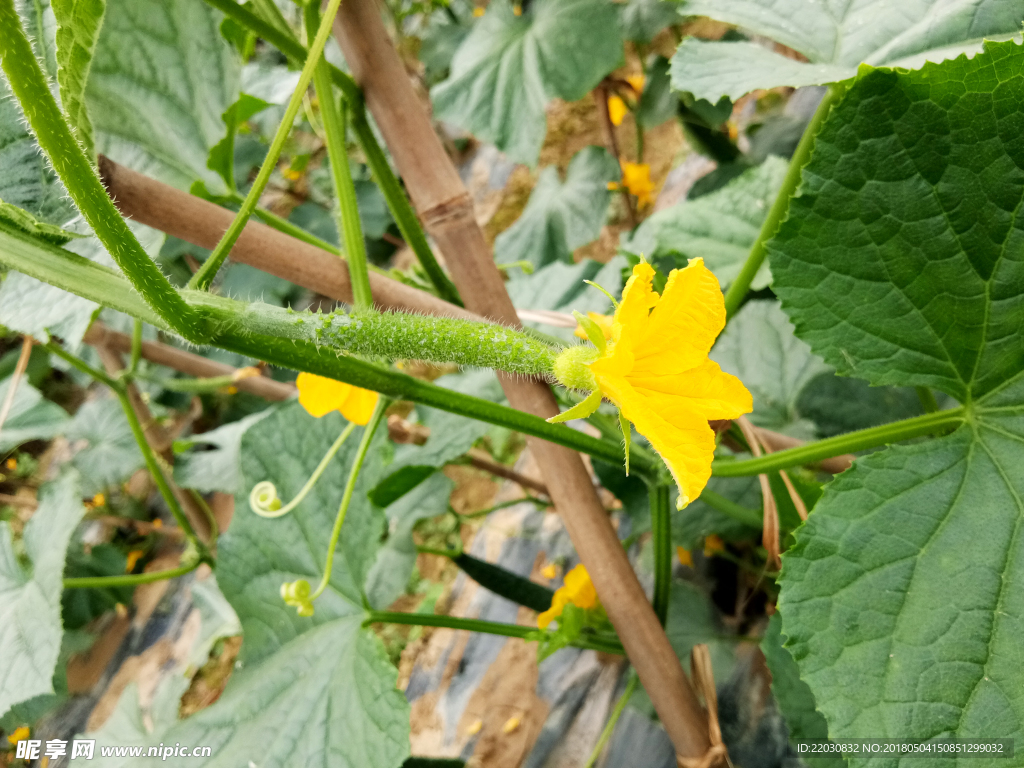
(298, 594)
(263, 499)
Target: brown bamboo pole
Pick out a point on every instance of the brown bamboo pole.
(202, 223)
(446, 210)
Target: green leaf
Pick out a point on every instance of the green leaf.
(561, 216)
(795, 699)
(218, 467)
(509, 67)
(643, 19)
(392, 569)
(699, 520)
(110, 455)
(80, 606)
(835, 38)
(311, 692)
(222, 154)
(693, 619)
(900, 259)
(30, 625)
(836, 404)
(719, 227)
(759, 347)
(30, 418)
(161, 78)
(658, 103)
(23, 221)
(78, 30)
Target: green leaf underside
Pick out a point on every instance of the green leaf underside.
(561, 217)
(719, 227)
(642, 20)
(78, 30)
(161, 78)
(315, 691)
(509, 67)
(110, 454)
(30, 418)
(902, 598)
(217, 468)
(30, 622)
(835, 37)
(901, 261)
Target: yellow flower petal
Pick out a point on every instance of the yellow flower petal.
(20, 734)
(549, 571)
(685, 557)
(579, 589)
(478, 12)
(604, 322)
(617, 110)
(713, 544)
(320, 395)
(133, 558)
(636, 177)
(637, 81)
(512, 724)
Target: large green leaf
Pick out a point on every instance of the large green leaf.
(109, 454)
(30, 626)
(78, 30)
(315, 691)
(216, 466)
(161, 78)
(835, 37)
(900, 261)
(902, 598)
(561, 216)
(643, 19)
(30, 418)
(719, 227)
(509, 67)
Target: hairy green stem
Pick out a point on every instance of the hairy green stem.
(136, 356)
(276, 345)
(204, 277)
(350, 487)
(349, 226)
(399, 205)
(152, 464)
(71, 165)
(478, 625)
(927, 398)
(862, 439)
(606, 733)
(128, 580)
(661, 539)
(741, 284)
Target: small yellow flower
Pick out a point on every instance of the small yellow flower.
(604, 322)
(613, 186)
(512, 724)
(20, 734)
(478, 11)
(578, 590)
(549, 571)
(713, 544)
(637, 81)
(656, 370)
(291, 174)
(99, 500)
(133, 558)
(517, 9)
(319, 396)
(685, 558)
(158, 523)
(475, 727)
(11, 463)
(617, 110)
(636, 177)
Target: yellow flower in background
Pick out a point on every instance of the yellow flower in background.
(517, 9)
(637, 81)
(478, 11)
(636, 177)
(604, 322)
(656, 370)
(577, 590)
(685, 556)
(712, 544)
(320, 395)
(20, 734)
(617, 110)
(133, 559)
(549, 571)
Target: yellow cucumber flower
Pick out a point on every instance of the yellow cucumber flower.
(636, 177)
(320, 395)
(637, 82)
(656, 370)
(617, 110)
(604, 322)
(577, 590)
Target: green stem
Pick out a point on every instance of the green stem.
(661, 535)
(204, 277)
(120, 390)
(739, 287)
(862, 439)
(606, 734)
(731, 509)
(265, 508)
(350, 487)
(136, 355)
(402, 211)
(194, 386)
(478, 625)
(502, 505)
(349, 226)
(92, 281)
(68, 159)
(927, 398)
(129, 580)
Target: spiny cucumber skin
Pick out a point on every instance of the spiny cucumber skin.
(399, 336)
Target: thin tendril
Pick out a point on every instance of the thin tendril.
(264, 494)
